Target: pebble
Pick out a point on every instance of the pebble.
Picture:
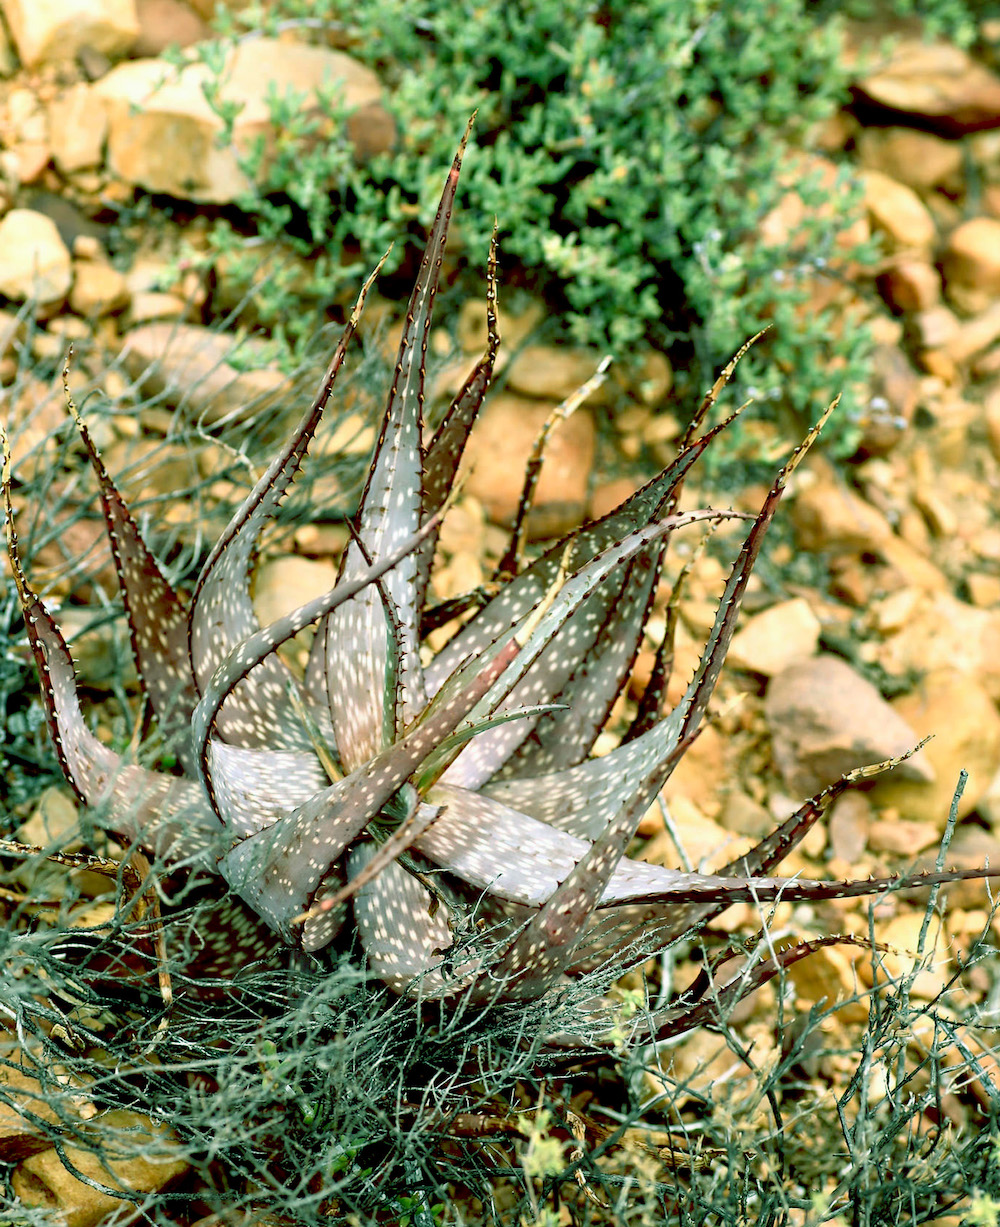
(971, 264)
(50, 31)
(919, 159)
(934, 82)
(776, 638)
(98, 289)
(162, 133)
(910, 284)
(34, 261)
(498, 452)
(187, 364)
(964, 725)
(898, 212)
(825, 719)
(77, 128)
(166, 23)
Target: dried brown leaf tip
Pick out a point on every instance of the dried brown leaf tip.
(449, 802)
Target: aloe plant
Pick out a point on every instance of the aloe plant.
(451, 803)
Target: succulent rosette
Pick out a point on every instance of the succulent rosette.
(449, 800)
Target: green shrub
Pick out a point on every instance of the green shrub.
(629, 150)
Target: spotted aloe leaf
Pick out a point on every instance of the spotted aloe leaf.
(168, 815)
(594, 623)
(280, 869)
(351, 644)
(444, 453)
(260, 712)
(585, 799)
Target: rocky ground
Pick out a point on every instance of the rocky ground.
(878, 620)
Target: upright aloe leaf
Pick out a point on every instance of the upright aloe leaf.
(538, 675)
(584, 800)
(351, 644)
(519, 596)
(444, 454)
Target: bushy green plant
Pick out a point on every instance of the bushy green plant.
(629, 150)
(952, 19)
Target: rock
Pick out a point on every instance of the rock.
(972, 848)
(742, 814)
(652, 380)
(498, 452)
(609, 495)
(965, 724)
(776, 638)
(284, 583)
(206, 8)
(936, 327)
(705, 1071)
(700, 776)
(34, 261)
(98, 289)
(975, 335)
(78, 126)
(166, 23)
(144, 1158)
(70, 220)
(898, 212)
(706, 844)
(935, 82)
(151, 467)
(46, 31)
(918, 159)
(550, 372)
(910, 284)
(892, 613)
(972, 264)
(827, 515)
(828, 975)
(163, 133)
(946, 633)
(847, 822)
(984, 590)
(825, 719)
(991, 411)
(149, 305)
(902, 837)
(894, 396)
(54, 820)
(785, 221)
(470, 326)
(189, 365)
(27, 134)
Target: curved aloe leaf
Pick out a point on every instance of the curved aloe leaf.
(167, 815)
(157, 618)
